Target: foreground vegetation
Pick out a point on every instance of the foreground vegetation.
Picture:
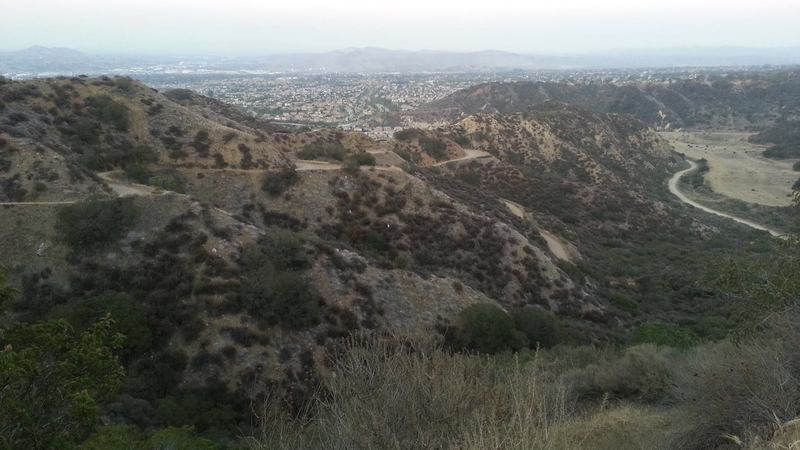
(472, 392)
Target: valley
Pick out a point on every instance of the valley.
(673, 187)
(737, 168)
(254, 264)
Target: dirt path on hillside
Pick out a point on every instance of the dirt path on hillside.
(124, 189)
(469, 154)
(673, 187)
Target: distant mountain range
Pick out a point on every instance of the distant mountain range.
(48, 61)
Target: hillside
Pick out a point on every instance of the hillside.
(235, 270)
(733, 101)
(242, 255)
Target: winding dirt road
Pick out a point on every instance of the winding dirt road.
(125, 189)
(673, 187)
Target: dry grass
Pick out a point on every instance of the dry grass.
(390, 394)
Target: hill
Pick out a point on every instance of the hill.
(241, 255)
(735, 101)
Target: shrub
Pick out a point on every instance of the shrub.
(796, 166)
(87, 131)
(351, 165)
(126, 437)
(274, 287)
(107, 110)
(407, 134)
(282, 297)
(485, 328)
(168, 179)
(125, 84)
(540, 327)
(129, 320)
(95, 222)
(138, 173)
(663, 334)
(744, 389)
(276, 183)
(364, 158)
(53, 380)
(325, 151)
(642, 373)
(435, 147)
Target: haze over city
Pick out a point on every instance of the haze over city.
(240, 27)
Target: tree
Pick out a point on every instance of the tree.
(486, 328)
(51, 380)
(540, 327)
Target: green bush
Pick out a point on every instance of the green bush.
(276, 183)
(168, 180)
(641, 373)
(540, 327)
(435, 147)
(783, 151)
(138, 173)
(364, 158)
(351, 165)
(796, 166)
(87, 131)
(485, 328)
(663, 334)
(322, 151)
(407, 134)
(125, 84)
(129, 317)
(274, 286)
(107, 110)
(53, 380)
(95, 222)
(126, 437)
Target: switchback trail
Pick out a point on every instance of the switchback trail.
(673, 187)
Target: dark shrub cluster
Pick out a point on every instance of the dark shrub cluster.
(485, 328)
(95, 222)
(276, 183)
(274, 285)
(107, 110)
(435, 147)
(333, 151)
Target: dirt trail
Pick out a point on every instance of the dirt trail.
(470, 154)
(737, 168)
(123, 189)
(673, 187)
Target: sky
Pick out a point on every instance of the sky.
(241, 27)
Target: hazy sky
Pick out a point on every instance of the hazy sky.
(270, 26)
